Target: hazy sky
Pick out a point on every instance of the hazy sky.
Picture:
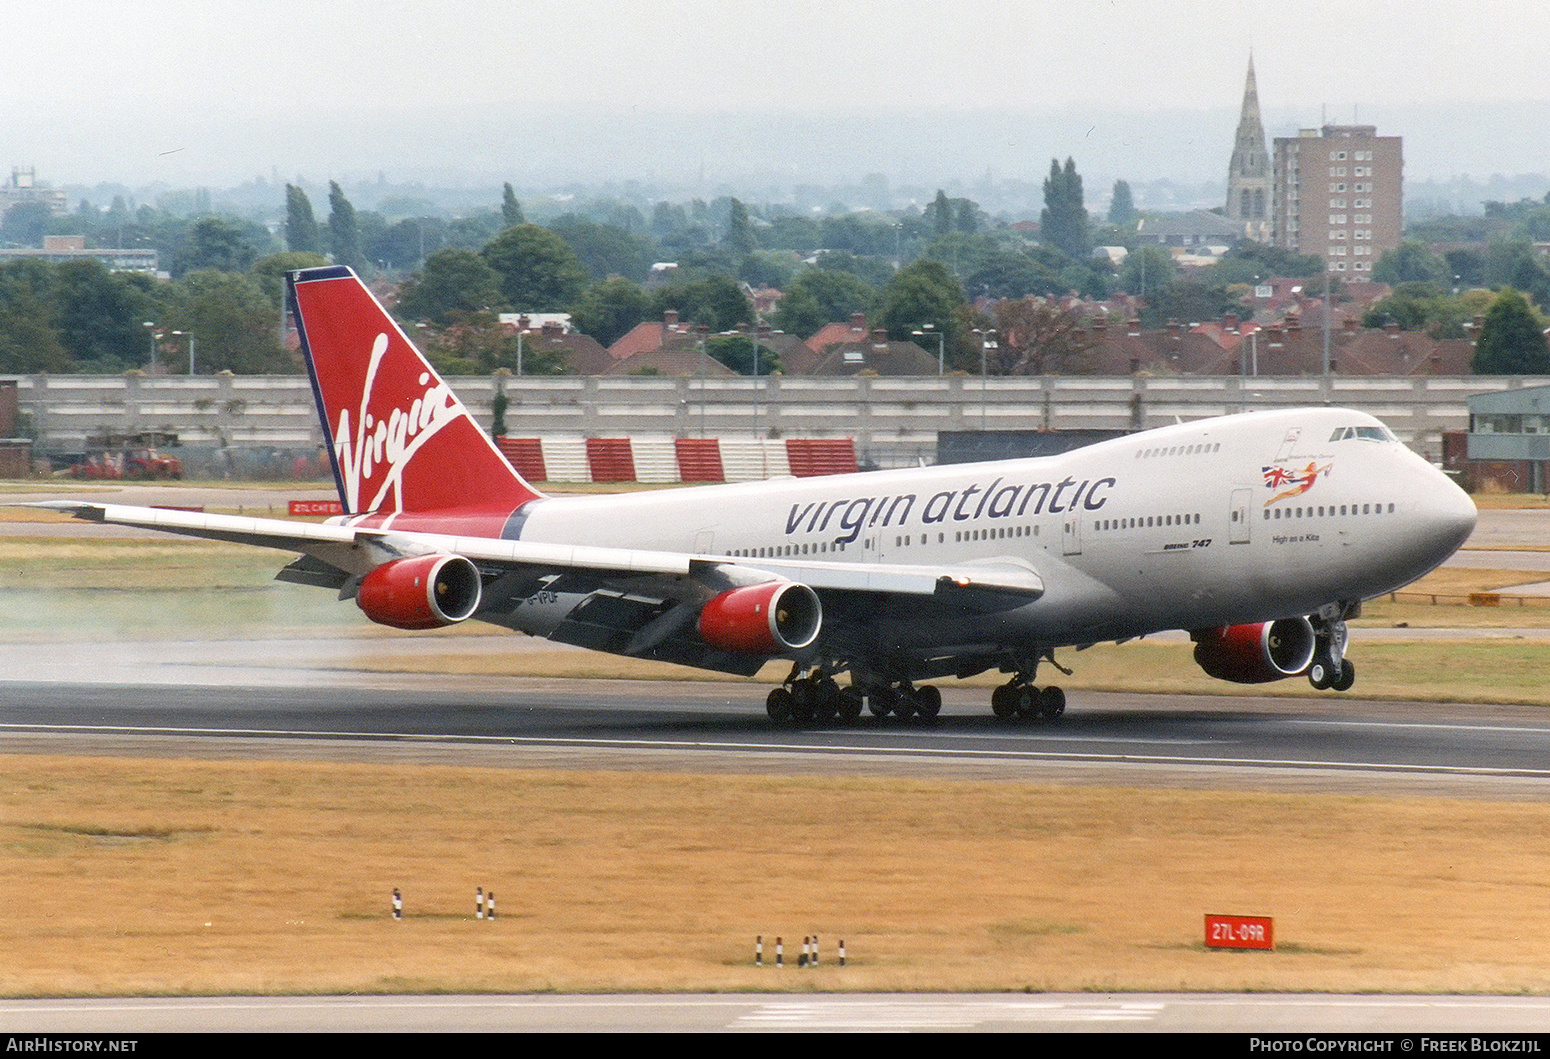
(220, 90)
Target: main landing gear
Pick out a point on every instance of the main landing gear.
(816, 699)
(1019, 700)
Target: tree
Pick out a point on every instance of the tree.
(608, 310)
(405, 243)
(1063, 223)
(1512, 340)
(511, 209)
(768, 268)
(941, 211)
(29, 341)
(605, 249)
(1009, 274)
(873, 271)
(101, 315)
(226, 244)
(968, 216)
(301, 228)
(1122, 207)
(1146, 270)
(792, 233)
(1513, 263)
(537, 270)
(1412, 262)
(451, 281)
(478, 344)
(344, 237)
(718, 302)
(736, 352)
(924, 292)
(740, 237)
(26, 223)
(1188, 301)
(232, 320)
(820, 296)
(270, 271)
(1040, 338)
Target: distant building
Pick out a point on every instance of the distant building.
(57, 248)
(536, 321)
(24, 187)
(1338, 195)
(1196, 230)
(1248, 174)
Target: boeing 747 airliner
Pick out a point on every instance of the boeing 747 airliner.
(1258, 533)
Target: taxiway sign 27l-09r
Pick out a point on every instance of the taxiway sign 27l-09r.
(1259, 533)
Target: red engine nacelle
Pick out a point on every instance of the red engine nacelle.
(765, 619)
(1255, 654)
(421, 592)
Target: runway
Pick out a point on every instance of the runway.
(1404, 1016)
(1125, 738)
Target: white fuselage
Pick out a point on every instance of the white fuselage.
(1216, 522)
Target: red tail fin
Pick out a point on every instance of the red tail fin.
(399, 437)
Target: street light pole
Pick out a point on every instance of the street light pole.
(190, 336)
(1327, 310)
(150, 329)
(987, 342)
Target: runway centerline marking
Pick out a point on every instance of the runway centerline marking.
(1520, 729)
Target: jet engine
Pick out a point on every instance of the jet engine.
(421, 592)
(1255, 654)
(767, 619)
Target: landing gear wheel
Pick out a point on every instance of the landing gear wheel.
(1346, 678)
(1027, 700)
(1003, 702)
(880, 701)
(804, 702)
(850, 705)
(780, 706)
(904, 704)
(826, 700)
(1052, 703)
(928, 702)
(1320, 675)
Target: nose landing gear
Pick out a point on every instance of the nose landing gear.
(1330, 669)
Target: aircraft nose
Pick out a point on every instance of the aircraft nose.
(1450, 516)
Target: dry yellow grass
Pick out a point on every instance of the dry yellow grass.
(137, 876)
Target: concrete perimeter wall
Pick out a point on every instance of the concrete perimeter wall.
(894, 420)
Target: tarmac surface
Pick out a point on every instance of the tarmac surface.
(1403, 1018)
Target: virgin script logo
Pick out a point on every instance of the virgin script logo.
(375, 456)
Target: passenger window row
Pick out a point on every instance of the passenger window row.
(1325, 511)
(1147, 522)
(1178, 450)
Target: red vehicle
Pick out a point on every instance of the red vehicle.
(137, 457)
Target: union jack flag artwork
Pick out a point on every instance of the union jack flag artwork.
(1291, 481)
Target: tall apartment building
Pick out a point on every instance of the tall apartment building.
(1248, 173)
(1339, 195)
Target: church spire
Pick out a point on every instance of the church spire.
(1248, 173)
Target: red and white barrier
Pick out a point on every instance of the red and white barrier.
(666, 460)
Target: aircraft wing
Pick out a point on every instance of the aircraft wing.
(352, 552)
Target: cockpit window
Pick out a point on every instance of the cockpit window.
(1366, 433)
